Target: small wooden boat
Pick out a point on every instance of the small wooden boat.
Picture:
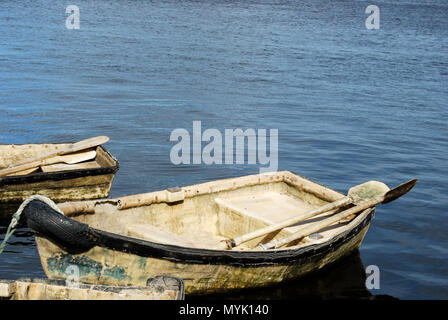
(157, 288)
(61, 182)
(180, 232)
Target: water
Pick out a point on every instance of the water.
(350, 104)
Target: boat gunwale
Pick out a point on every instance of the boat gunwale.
(162, 196)
(63, 174)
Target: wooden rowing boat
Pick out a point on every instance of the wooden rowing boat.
(177, 232)
(157, 288)
(61, 182)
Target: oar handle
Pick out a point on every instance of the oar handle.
(22, 167)
(232, 243)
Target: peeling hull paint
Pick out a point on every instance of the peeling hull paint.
(87, 267)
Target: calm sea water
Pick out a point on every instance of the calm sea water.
(350, 105)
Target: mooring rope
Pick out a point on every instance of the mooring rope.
(16, 216)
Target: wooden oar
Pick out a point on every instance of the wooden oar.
(357, 193)
(306, 231)
(38, 161)
(68, 159)
(71, 158)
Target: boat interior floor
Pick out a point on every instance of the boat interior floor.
(238, 214)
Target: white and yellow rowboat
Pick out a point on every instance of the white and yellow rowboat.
(208, 234)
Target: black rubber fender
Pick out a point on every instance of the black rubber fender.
(70, 234)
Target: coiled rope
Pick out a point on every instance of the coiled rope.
(16, 216)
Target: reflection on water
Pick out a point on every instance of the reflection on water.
(342, 280)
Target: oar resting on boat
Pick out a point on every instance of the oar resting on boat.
(389, 196)
(38, 161)
(355, 195)
(48, 165)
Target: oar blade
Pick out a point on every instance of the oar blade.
(367, 190)
(86, 144)
(79, 157)
(397, 192)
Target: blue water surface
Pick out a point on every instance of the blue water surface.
(350, 104)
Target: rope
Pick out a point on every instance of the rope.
(16, 216)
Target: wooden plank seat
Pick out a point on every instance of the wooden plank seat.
(268, 208)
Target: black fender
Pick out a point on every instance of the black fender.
(70, 234)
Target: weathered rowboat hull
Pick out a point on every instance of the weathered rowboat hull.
(100, 243)
(158, 288)
(120, 268)
(79, 184)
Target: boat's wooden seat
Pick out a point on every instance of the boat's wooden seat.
(151, 233)
(267, 208)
